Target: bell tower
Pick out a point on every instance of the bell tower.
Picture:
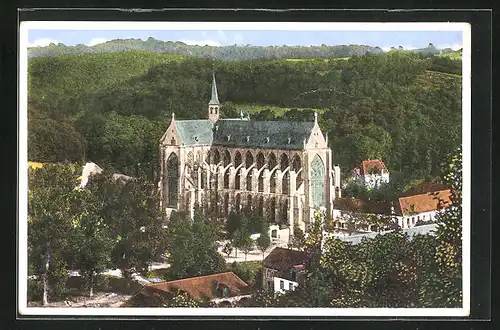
(214, 105)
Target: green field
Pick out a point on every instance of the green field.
(316, 59)
(454, 56)
(277, 111)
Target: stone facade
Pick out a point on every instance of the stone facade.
(278, 169)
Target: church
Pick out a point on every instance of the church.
(281, 170)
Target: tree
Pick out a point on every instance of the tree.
(234, 221)
(263, 243)
(51, 191)
(314, 240)
(298, 240)
(264, 298)
(192, 246)
(92, 241)
(243, 241)
(130, 211)
(445, 287)
(227, 249)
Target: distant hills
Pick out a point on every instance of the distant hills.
(429, 50)
(224, 53)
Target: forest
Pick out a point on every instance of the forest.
(112, 108)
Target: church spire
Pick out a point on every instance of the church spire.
(213, 105)
(215, 98)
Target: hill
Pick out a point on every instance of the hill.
(112, 108)
(223, 53)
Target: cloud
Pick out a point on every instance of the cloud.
(221, 37)
(96, 41)
(42, 42)
(201, 42)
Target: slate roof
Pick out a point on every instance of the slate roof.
(424, 202)
(195, 132)
(204, 288)
(282, 259)
(262, 134)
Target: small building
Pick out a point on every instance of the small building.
(372, 173)
(284, 269)
(223, 288)
(421, 208)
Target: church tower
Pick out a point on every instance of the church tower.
(213, 105)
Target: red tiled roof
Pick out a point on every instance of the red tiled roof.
(425, 202)
(205, 287)
(373, 165)
(282, 259)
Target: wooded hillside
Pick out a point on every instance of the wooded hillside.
(112, 108)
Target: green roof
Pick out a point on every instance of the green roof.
(262, 134)
(195, 132)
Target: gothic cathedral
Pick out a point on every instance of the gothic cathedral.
(280, 170)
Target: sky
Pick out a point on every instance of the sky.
(382, 39)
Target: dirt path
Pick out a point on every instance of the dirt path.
(99, 299)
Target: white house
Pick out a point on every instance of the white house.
(407, 211)
(282, 285)
(422, 208)
(284, 269)
(372, 173)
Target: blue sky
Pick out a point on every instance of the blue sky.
(383, 39)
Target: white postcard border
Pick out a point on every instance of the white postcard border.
(258, 312)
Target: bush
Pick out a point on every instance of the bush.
(248, 271)
(35, 290)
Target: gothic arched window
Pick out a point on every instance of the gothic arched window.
(203, 178)
(318, 182)
(285, 184)
(237, 159)
(260, 160)
(296, 166)
(172, 180)
(237, 180)
(249, 180)
(237, 202)
(248, 159)
(271, 161)
(284, 212)
(216, 157)
(227, 158)
(260, 206)
(226, 204)
(260, 183)
(272, 183)
(284, 162)
(226, 179)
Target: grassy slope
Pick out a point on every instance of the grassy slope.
(454, 55)
(278, 111)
